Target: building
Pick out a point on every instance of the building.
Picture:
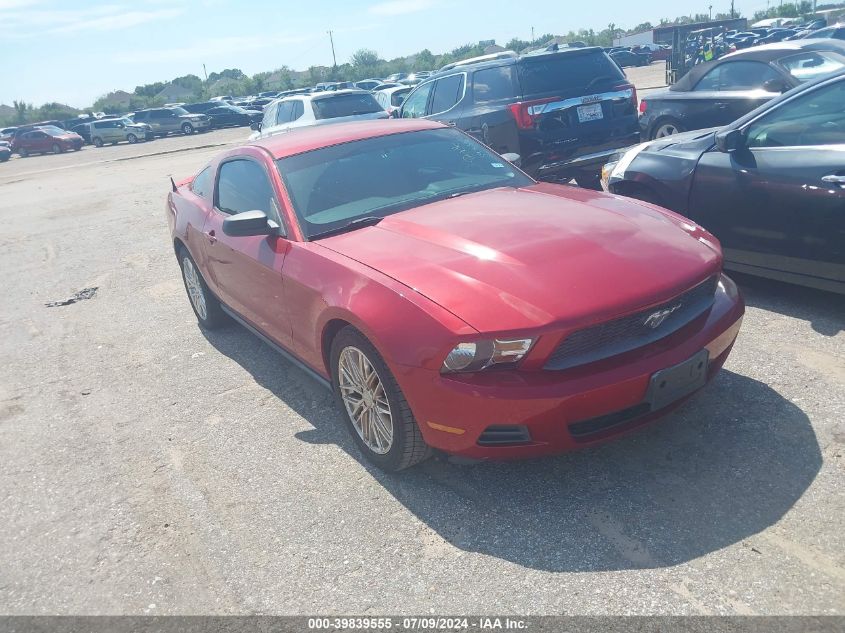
(635, 39)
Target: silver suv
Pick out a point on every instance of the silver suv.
(116, 130)
(163, 121)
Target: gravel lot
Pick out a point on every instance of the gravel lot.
(149, 467)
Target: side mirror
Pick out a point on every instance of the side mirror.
(729, 140)
(514, 159)
(249, 223)
(775, 85)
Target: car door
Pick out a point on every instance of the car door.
(730, 90)
(778, 203)
(41, 141)
(245, 272)
(416, 104)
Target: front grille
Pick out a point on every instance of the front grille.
(504, 435)
(635, 330)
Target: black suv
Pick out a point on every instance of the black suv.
(564, 112)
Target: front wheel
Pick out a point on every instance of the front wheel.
(206, 306)
(375, 410)
(187, 129)
(24, 152)
(98, 142)
(57, 149)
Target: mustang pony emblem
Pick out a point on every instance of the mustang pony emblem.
(654, 319)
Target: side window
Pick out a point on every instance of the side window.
(414, 105)
(381, 100)
(298, 110)
(447, 92)
(283, 113)
(243, 185)
(740, 75)
(201, 184)
(492, 84)
(269, 116)
(815, 118)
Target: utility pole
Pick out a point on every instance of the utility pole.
(532, 34)
(334, 59)
(733, 15)
(711, 12)
(205, 72)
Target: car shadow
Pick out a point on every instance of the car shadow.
(725, 466)
(824, 311)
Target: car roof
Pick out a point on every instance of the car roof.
(313, 137)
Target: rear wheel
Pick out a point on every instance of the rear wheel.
(206, 306)
(98, 142)
(375, 410)
(667, 127)
(187, 128)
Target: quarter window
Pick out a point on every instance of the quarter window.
(298, 110)
(243, 185)
(447, 92)
(202, 183)
(284, 112)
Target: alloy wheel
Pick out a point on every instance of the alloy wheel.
(365, 400)
(194, 286)
(667, 129)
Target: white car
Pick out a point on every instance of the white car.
(391, 98)
(317, 109)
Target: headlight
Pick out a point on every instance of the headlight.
(478, 355)
(616, 166)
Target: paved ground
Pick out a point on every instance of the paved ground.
(148, 467)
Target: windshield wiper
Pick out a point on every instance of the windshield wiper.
(357, 223)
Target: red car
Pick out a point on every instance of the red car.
(42, 140)
(450, 301)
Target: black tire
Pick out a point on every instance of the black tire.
(98, 142)
(56, 148)
(131, 138)
(187, 129)
(214, 316)
(408, 446)
(24, 152)
(4, 157)
(589, 180)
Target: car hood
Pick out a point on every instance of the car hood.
(513, 259)
(690, 145)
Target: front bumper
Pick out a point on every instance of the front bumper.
(555, 407)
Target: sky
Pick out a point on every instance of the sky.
(73, 51)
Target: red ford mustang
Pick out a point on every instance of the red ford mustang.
(450, 301)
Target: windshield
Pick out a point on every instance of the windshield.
(179, 110)
(331, 186)
(812, 64)
(345, 105)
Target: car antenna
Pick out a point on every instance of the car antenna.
(173, 184)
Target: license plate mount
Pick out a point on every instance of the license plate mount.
(673, 383)
(590, 112)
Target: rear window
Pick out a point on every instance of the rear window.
(345, 105)
(567, 72)
(811, 64)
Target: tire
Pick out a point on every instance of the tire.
(24, 152)
(187, 129)
(56, 148)
(132, 139)
(589, 180)
(405, 446)
(203, 302)
(666, 127)
(4, 157)
(98, 142)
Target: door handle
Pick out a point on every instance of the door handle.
(834, 180)
(211, 236)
